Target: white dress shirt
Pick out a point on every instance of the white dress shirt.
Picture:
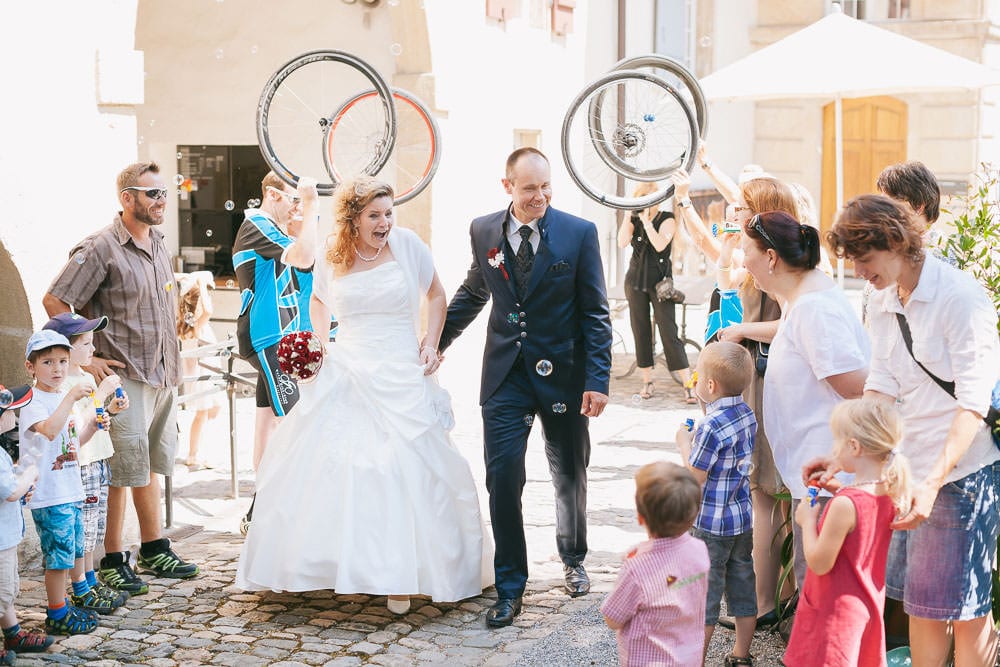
(514, 236)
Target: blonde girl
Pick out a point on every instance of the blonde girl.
(839, 617)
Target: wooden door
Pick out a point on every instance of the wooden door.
(874, 137)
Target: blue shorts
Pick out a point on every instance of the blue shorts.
(60, 530)
(941, 570)
(731, 572)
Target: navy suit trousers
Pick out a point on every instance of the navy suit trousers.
(507, 419)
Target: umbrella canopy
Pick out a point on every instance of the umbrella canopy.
(838, 56)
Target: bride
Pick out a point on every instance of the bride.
(361, 490)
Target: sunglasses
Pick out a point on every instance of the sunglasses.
(152, 193)
(758, 226)
(293, 199)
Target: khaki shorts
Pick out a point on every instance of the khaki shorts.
(10, 581)
(145, 435)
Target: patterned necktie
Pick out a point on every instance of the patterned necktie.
(524, 260)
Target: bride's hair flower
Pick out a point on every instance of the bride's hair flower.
(300, 354)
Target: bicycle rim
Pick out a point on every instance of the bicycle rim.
(416, 153)
(292, 120)
(677, 76)
(631, 125)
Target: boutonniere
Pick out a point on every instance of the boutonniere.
(495, 258)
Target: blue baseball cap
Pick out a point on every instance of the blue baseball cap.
(43, 340)
(73, 324)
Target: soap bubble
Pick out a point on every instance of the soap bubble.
(230, 283)
(636, 398)
(80, 258)
(745, 467)
(396, 49)
(230, 205)
(180, 156)
(253, 50)
(6, 397)
(178, 179)
(705, 41)
(219, 54)
(208, 233)
(189, 319)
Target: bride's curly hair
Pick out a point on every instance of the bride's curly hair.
(349, 200)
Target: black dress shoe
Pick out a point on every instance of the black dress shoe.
(577, 581)
(503, 612)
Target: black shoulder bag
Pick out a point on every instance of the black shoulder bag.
(991, 417)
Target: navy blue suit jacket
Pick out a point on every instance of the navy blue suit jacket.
(563, 316)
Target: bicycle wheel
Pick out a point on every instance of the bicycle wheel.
(415, 156)
(292, 121)
(677, 76)
(629, 124)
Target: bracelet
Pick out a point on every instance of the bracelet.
(706, 165)
(684, 203)
(428, 347)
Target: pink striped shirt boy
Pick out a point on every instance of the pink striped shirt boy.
(659, 602)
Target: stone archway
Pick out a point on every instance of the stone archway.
(16, 326)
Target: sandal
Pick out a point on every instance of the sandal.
(689, 396)
(733, 661)
(647, 390)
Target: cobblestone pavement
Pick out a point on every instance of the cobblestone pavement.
(207, 620)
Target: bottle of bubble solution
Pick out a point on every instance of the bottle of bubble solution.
(98, 410)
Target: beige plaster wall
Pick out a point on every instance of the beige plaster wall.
(68, 128)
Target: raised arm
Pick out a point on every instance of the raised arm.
(302, 252)
(725, 185)
(688, 216)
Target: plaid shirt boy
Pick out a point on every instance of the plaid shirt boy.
(722, 447)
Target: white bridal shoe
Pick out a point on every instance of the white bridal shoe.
(398, 606)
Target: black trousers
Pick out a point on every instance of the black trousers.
(639, 303)
(507, 419)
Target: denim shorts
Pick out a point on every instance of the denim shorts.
(941, 570)
(60, 530)
(731, 572)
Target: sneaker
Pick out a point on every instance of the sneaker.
(118, 598)
(75, 622)
(167, 564)
(91, 601)
(8, 657)
(28, 642)
(122, 578)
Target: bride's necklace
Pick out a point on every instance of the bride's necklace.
(368, 259)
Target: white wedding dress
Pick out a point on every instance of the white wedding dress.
(361, 490)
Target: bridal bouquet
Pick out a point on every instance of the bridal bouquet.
(300, 354)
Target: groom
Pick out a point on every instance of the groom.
(548, 354)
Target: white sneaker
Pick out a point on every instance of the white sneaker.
(398, 606)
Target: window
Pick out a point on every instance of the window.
(528, 138)
(219, 182)
(502, 10)
(562, 16)
(876, 10)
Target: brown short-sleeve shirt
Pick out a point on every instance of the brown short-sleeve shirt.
(108, 274)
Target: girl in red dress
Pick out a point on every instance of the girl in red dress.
(839, 617)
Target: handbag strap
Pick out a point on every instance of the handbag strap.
(904, 328)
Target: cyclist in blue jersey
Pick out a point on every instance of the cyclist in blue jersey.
(269, 264)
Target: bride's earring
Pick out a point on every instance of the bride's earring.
(398, 604)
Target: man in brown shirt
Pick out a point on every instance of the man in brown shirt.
(124, 272)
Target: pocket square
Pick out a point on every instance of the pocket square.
(559, 267)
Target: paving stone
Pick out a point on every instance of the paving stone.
(365, 647)
(389, 660)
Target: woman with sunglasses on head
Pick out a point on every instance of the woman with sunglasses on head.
(927, 318)
(819, 355)
(760, 322)
(650, 232)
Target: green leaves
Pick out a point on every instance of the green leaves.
(975, 243)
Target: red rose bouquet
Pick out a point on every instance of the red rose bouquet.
(300, 354)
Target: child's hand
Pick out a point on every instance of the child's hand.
(118, 404)
(806, 514)
(82, 390)
(108, 386)
(104, 421)
(683, 439)
(7, 421)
